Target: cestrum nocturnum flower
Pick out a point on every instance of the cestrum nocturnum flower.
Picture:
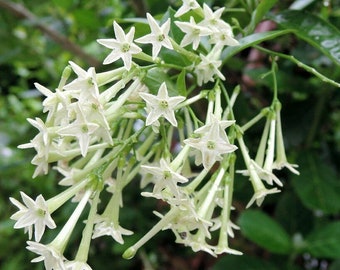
(158, 37)
(193, 32)
(161, 105)
(32, 213)
(165, 178)
(86, 83)
(51, 256)
(211, 141)
(187, 5)
(207, 68)
(122, 46)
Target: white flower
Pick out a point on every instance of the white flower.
(224, 37)
(212, 19)
(161, 105)
(260, 194)
(32, 213)
(260, 191)
(81, 129)
(77, 265)
(226, 249)
(54, 101)
(266, 175)
(187, 5)
(165, 178)
(95, 113)
(212, 142)
(41, 165)
(41, 142)
(123, 46)
(208, 68)
(86, 83)
(158, 37)
(104, 226)
(222, 33)
(280, 164)
(193, 32)
(52, 258)
(281, 158)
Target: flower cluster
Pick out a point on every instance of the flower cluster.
(105, 130)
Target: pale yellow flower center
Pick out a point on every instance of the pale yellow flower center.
(160, 38)
(211, 145)
(125, 47)
(163, 104)
(84, 129)
(166, 175)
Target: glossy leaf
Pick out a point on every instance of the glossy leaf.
(317, 186)
(324, 242)
(155, 77)
(314, 30)
(264, 231)
(251, 40)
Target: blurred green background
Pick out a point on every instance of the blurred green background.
(38, 38)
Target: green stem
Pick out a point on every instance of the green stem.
(253, 121)
(131, 251)
(300, 64)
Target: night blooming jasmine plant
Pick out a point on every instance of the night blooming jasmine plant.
(137, 123)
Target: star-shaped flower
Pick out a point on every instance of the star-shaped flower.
(161, 105)
(81, 129)
(52, 258)
(165, 178)
(86, 83)
(158, 37)
(260, 191)
(105, 226)
(193, 32)
(33, 213)
(54, 101)
(212, 19)
(212, 142)
(187, 5)
(207, 69)
(264, 174)
(122, 46)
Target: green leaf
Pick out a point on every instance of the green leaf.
(317, 186)
(292, 215)
(251, 40)
(324, 242)
(264, 231)
(155, 77)
(243, 262)
(314, 30)
(258, 14)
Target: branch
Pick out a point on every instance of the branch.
(21, 12)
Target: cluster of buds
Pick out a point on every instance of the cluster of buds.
(104, 131)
